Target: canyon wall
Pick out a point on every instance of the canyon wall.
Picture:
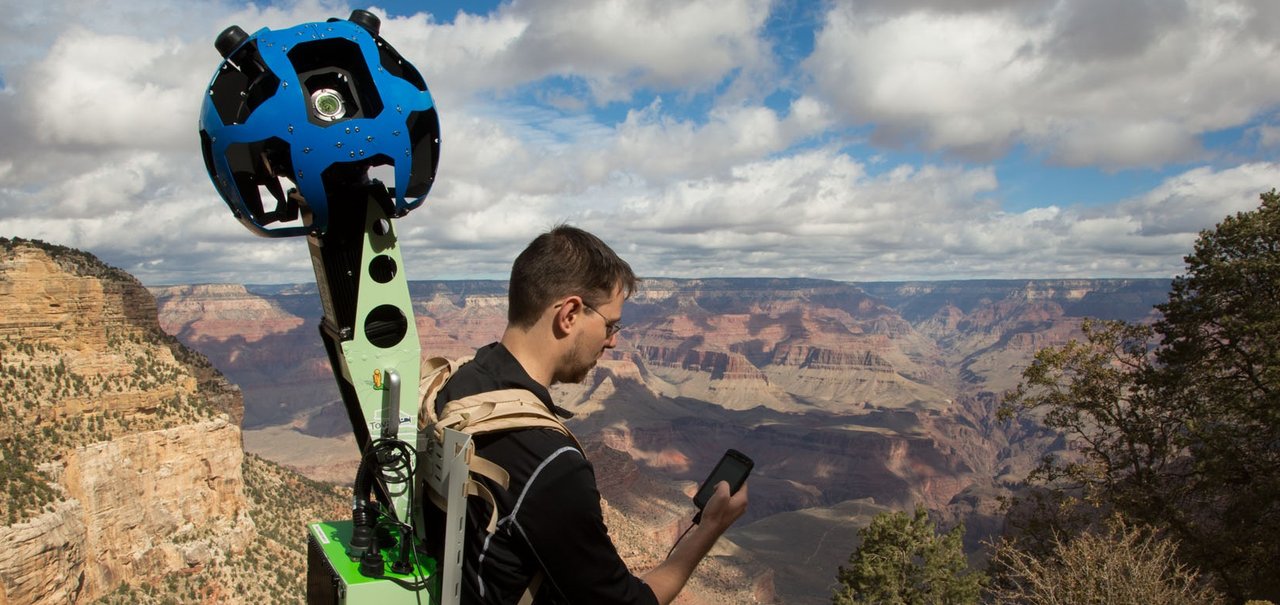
(123, 452)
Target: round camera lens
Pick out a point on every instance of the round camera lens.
(328, 104)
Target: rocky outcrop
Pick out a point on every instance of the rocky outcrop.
(802, 345)
(272, 353)
(1126, 299)
(44, 558)
(457, 326)
(44, 299)
(123, 447)
(266, 340)
(136, 509)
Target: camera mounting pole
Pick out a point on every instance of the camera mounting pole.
(298, 117)
(368, 327)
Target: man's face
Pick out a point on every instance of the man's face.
(595, 334)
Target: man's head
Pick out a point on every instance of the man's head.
(563, 262)
(565, 300)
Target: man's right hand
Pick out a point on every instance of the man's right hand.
(668, 578)
(723, 509)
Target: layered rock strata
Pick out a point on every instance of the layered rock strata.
(123, 448)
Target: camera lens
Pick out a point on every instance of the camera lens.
(328, 104)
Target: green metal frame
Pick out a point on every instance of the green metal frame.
(382, 404)
(340, 577)
(369, 329)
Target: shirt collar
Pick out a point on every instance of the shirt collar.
(505, 365)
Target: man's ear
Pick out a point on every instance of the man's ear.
(567, 315)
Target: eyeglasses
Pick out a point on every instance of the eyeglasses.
(610, 328)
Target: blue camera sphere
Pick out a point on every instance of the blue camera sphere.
(295, 118)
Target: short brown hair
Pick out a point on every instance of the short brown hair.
(563, 262)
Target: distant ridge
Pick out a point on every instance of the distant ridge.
(1130, 299)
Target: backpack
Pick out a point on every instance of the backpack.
(489, 412)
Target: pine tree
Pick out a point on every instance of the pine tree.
(902, 560)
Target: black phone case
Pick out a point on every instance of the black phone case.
(734, 467)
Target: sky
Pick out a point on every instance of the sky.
(856, 140)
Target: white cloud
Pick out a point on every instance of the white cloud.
(99, 119)
(619, 44)
(614, 46)
(650, 142)
(1090, 82)
(1200, 198)
(943, 77)
(119, 91)
(819, 214)
(1268, 135)
(458, 59)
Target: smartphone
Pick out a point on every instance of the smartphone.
(733, 467)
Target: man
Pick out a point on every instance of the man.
(566, 296)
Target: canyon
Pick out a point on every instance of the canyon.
(853, 398)
(168, 442)
(125, 476)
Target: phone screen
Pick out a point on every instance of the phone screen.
(733, 468)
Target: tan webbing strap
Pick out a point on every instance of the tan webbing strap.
(532, 590)
(485, 468)
(434, 372)
(489, 412)
(504, 410)
(475, 488)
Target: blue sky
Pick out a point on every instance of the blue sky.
(857, 140)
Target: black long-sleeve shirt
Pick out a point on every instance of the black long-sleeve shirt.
(549, 517)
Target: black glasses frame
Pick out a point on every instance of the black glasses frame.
(609, 328)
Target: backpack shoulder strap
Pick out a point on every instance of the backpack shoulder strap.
(434, 373)
(489, 412)
(497, 411)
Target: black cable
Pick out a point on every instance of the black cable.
(417, 576)
(386, 460)
(696, 519)
(393, 460)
